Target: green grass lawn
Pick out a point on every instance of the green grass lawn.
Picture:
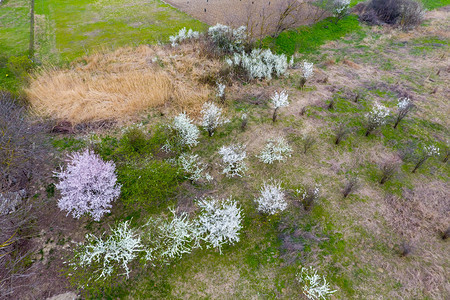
(14, 27)
(69, 29)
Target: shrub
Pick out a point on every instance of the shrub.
(108, 256)
(314, 286)
(148, 182)
(183, 35)
(272, 199)
(404, 106)
(278, 100)
(182, 134)
(20, 66)
(275, 150)
(308, 143)
(21, 145)
(309, 195)
(350, 186)
(404, 13)
(244, 122)
(427, 152)
(388, 170)
(219, 221)
(212, 117)
(233, 158)
(170, 238)
(227, 39)
(376, 118)
(340, 132)
(88, 185)
(405, 249)
(259, 64)
(193, 167)
(221, 92)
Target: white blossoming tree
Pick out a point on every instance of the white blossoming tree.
(260, 64)
(88, 185)
(233, 159)
(227, 39)
(275, 150)
(219, 221)
(404, 106)
(212, 117)
(278, 100)
(307, 72)
(109, 256)
(182, 133)
(170, 238)
(315, 287)
(220, 87)
(340, 9)
(376, 118)
(194, 168)
(272, 199)
(183, 35)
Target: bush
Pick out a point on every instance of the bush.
(20, 66)
(21, 145)
(183, 133)
(272, 199)
(227, 39)
(233, 159)
(314, 286)
(147, 183)
(275, 150)
(88, 185)
(404, 13)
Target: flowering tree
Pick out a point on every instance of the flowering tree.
(376, 118)
(427, 152)
(227, 39)
(194, 167)
(183, 35)
(308, 195)
(275, 150)
(212, 117)
(340, 9)
(260, 64)
(219, 221)
(171, 238)
(183, 133)
(272, 198)
(233, 158)
(115, 252)
(279, 100)
(221, 91)
(314, 286)
(307, 72)
(404, 106)
(88, 185)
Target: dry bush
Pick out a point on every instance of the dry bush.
(388, 170)
(350, 186)
(122, 83)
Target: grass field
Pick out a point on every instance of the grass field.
(66, 30)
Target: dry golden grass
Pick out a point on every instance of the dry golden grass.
(122, 83)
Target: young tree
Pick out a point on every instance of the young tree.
(88, 185)
(183, 35)
(427, 152)
(221, 92)
(182, 133)
(272, 198)
(279, 100)
(275, 150)
(109, 255)
(314, 286)
(233, 158)
(193, 167)
(404, 106)
(307, 72)
(376, 118)
(212, 117)
(219, 222)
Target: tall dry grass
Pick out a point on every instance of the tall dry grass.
(122, 83)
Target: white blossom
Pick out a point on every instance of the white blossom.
(183, 35)
(212, 117)
(219, 222)
(260, 63)
(272, 198)
(275, 150)
(340, 7)
(314, 286)
(307, 69)
(192, 165)
(220, 90)
(121, 247)
(431, 150)
(403, 103)
(184, 133)
(279, 99)
(233, 158)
